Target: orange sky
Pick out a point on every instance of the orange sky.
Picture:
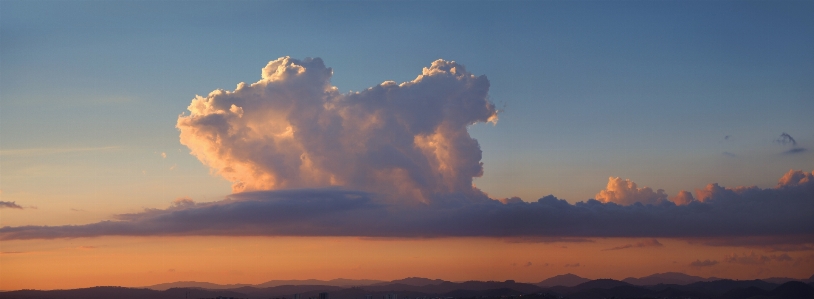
(134, 261)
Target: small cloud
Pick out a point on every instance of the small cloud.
(795, 151)
(727, 137)
(182, 202)
(728, 154)
(704, 263)
(86, 247)
(572, 265)
(163, 155)
(510, 200)
(533, 239)
(647, 243)
(786, 139)
(11, 252)
(756, 259)
(171, 270)
(173, 166)
(10, 205)
(783, 258)
(528, 264)
(77, 210)
(626, 192)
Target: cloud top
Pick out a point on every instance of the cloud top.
(626, 192)
(293, 129)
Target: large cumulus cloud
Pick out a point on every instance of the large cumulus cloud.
(306, 160)
(738, 212)
(293, 129)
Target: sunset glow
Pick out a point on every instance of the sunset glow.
(146, 143)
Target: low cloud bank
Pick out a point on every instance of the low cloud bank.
(740, 212)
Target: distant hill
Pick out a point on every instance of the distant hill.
(119, 293)
(601, 284)
(414, 287)
(339, 282)
(415, 281)
(665, 278)
(720, 287)
(566, 280)
(194, 284)
(782, 280)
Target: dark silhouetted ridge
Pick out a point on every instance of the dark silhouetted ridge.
(664, 278)
(793, 290)
(566, 280)
(601, 284)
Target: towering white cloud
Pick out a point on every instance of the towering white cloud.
(293, 129)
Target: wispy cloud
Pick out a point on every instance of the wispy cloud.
(10, 205)
(795, 150)
(704, 263)
(646, 243)
(756, 259)
(785, 139)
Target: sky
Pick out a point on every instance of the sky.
(244, 141)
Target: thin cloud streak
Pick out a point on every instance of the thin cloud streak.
(10, 205)
(647, 243)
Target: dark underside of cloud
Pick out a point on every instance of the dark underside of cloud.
(782, 211)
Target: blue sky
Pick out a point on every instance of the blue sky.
(646, 91)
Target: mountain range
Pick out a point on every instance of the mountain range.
(662, 285)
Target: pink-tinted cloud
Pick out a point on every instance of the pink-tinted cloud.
(795, 178)
(625, 192)
(293, 129)
(683, 198)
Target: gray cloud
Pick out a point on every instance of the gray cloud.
(781, 243)
(723, 212)
(786, 139)
(9, 205)
(756, 259)
(642, 244)
(795, 150)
